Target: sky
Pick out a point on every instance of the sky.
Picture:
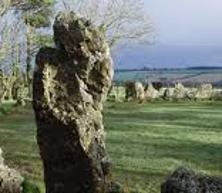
(186, 22)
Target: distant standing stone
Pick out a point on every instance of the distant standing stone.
(151, 92)
(70, 84)
(134, 91)
(205, 91)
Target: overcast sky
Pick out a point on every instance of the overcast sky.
(187, 22)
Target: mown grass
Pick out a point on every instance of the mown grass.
(146, 141)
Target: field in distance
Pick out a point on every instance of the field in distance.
(185, 76)
(145, 141)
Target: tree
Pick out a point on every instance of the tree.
(120, 20)
(35, 14)
(5, 5)
(30, 15)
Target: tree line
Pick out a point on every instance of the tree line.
(25, 27)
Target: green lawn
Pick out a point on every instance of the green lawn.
(146, 141)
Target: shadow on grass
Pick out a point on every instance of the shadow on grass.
(208, 155)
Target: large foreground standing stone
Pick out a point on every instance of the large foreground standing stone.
(186, 181)
(71, 83)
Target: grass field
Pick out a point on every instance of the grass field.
(146, 141)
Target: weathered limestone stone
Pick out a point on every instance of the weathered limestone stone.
(10, 180)
(151, 92)
(140, 95)
(70, 84)
(134, 91)
(186, 181)
(217, 94)
(191, 93)
(205, 91)
(168, 94)
(179, 91)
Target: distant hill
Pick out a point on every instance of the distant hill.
(161, 56)
(199, 68)
(205, 68)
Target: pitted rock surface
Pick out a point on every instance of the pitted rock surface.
(151, 92)
(70, 84)
(187, 181)
(205, 91)
(134, 91)
(10, 179)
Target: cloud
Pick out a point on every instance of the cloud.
(187, 21)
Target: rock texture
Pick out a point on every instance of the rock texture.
(186, 181)
(70, 84)
(10, 180)
(168, 94)
(134, 91)
(205, 91)
(151, 92)
(180, 92)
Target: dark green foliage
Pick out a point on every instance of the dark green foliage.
(40, 19)
(38, 13)
(39, 3)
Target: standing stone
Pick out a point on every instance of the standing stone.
(151, 92)
(217, 94)
(205, 91)
(168, 94)
(134, 91)
(70, 84)
(179, 92)
(10, 180)
(140, 94)
(191, 93)
(186, 181)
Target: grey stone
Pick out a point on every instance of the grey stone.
(168, 94)
(187, 181)
(151, 92)
(134, 91)
(205, 91)
(10, 179)
(70, 85)
(191, 93)
(179, 91)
